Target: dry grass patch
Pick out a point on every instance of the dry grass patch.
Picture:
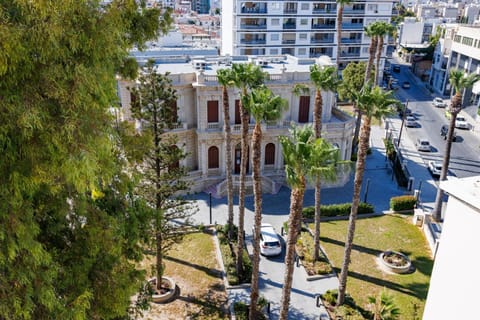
(193, 265)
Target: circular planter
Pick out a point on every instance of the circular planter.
(168, 293)
(395, 262)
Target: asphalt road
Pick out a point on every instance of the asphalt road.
(465, 154)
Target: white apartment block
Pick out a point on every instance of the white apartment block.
(305, 29)
(200, 117)
(455, 269)
(464, 54)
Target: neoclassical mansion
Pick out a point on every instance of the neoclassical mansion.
(200, 117)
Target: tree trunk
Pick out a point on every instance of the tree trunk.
(437, 208)
(357, 186)
(296, 205)
(317, 128)
(371, 56)
(358, 124)
(339, 33)
(228, 155)
(377, 63)
(159, 260)
(241, 196)
(257, 190)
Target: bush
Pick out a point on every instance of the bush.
(229, 259)
(390, 149)
(402, 203)
(335, 210)
(305, 247)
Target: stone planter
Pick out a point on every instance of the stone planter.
(169, 293)
(395, 262)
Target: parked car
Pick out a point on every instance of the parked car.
(435, 168)
(444, 132)
(410, 121)
(270, 244)
(423, 144)
(439, 103)
(461, 122)
(406, 85)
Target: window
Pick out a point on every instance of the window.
(238, 118)
(270, 153)
(467, 41)
(302, 51)
(304, 108)
(213, 162)
(273, 51)
(457, 38)
(305, 6)
(275, 22)
(274, 37)
(372, 7)
(212, 111)
(302, 36)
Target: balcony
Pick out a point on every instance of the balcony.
(353, 11)
(348, 40)
(350, 54)
(254, 10)
(288, 41)
(321, 40)
(289, 26)
(323, 26)
(324, 11)
(253, 41)
(290, 11)
(352, 26)
(262, 26)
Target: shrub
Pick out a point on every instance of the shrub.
(335, 210)
(402, 203)
(390, 149)
(305, 247)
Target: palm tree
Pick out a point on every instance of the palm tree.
(459, 82)
(340, 6)
(263, 106)
(373, 103)
(244, 77)
(324, 79)
(384, 29)
(298, 153)
(225, 80)
(383, 306)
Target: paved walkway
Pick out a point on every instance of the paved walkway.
(381, 187)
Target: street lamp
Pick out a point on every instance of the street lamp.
(403, 121)
(210, 204)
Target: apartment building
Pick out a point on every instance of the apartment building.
(306, 29)
(200, 116)
(464, 54)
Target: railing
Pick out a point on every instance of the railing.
(238, 127)
(289, 25)
(210, 78)
(327, 40)
(353, 11)
(350, 54)
(323, 26)
(290, 11)
(327, 11)
(355, 26)
(348, 40)
(254, 26)
(213, 126)
(253, 41)
(254, 10)
(288, 41)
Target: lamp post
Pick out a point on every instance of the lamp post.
(366, 191)
(403, 121)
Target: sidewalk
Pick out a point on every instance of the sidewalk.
(378, 187)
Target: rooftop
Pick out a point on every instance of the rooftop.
(464, 189)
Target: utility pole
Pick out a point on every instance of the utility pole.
(403, 121)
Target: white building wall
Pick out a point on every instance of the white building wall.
(455, 278)
(227, 27)
(411, 32)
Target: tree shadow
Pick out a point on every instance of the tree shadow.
(209, 305)
(423, 265)
(211, 272)
(356, 247)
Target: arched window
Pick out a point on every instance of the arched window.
(213, 158)
(270, 153)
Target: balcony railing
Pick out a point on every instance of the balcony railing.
(324, 40)
(324, 11)
(253, 41)
(290, 11)
(323, 26)
(288, 41)
(253, 26)
(355, 26)
(254, 10)
(350, 54)
(348, 40)
(353, 11)
(289, 25)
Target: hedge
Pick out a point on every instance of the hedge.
(402, 203)
(336, 210)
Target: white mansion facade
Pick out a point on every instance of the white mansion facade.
(200, 116)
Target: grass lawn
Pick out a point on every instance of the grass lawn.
(373, 236)
(193, 265)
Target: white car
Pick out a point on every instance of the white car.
(410, 121)
(270, 244)
(439, 103)
(461, 122)
(435, 168)
(423, 144)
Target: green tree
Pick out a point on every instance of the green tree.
(225, 79)
(163, 179)
(324, 79)
(459, 82)
(373, 103)
(340, 5)
(60, 248)
(263, 106)
(383, 306)
(300, 150)
(384, 30)
(245, 77)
